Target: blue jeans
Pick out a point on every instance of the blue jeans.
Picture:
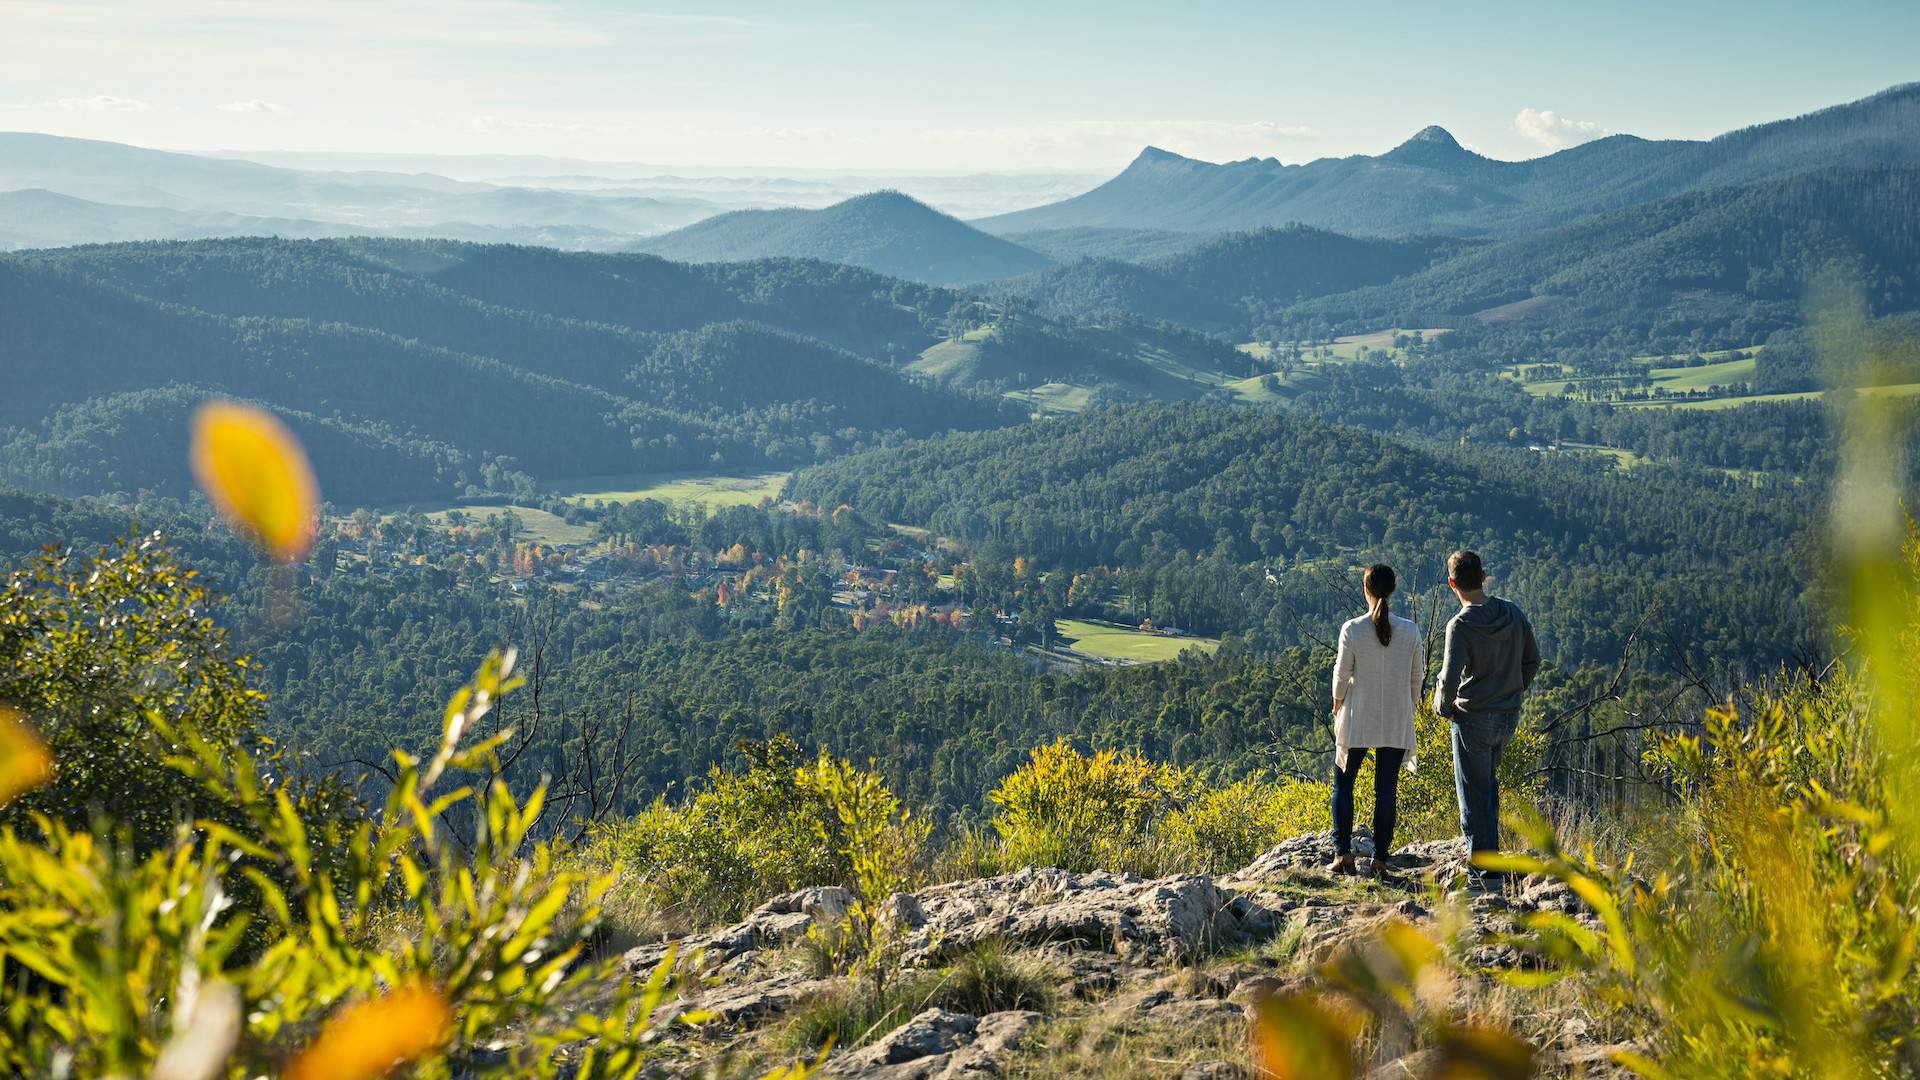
(1386, 798)
(1479, 739)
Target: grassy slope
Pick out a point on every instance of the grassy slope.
(540, 525)
(1118, 642)
(707, 489)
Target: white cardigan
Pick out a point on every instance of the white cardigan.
(1377, 686)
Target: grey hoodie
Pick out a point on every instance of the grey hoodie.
(1490, 660)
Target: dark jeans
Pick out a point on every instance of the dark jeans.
(1386, 798)
(1479, 739)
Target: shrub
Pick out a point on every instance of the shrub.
(881, 845)
(95, 651)
(1225, 828)
(1081, 812)
(746, 835)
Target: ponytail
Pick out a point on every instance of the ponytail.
(1379, 584)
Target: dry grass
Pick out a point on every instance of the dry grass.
(1116, 1044)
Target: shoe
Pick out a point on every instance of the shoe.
(1342, 866)
(1380, 870)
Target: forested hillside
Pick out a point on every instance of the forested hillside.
(1733, 264)
(884, 231)
(1233, 283)
(386, 355)
(1203, 494)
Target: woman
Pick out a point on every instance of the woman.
(1376, 681)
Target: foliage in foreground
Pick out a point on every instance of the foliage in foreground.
(252, 943)
(1782, 940)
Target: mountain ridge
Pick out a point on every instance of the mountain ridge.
(886, 231)
(1429, 183)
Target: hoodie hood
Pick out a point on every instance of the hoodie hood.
(1492, 617)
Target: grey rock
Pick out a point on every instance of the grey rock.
(994, 1037)
(939, 1045)
(1411, 1067)
(1214, 1070)
(1171, 918)
(1257, 988)
(1313, 852)
(825, 904)
(779, 921)
(749, 1004)
(1192, 1012)
(935, 1031)
(903, 911)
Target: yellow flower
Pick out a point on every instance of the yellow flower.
(373, 1038)
(24, 761)
(257, 475)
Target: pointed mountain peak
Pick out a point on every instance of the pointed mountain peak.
(1434, 133)
(1432, 145)
(1153, 155)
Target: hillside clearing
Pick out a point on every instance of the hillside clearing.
(1350, 346)
(1054, 397)
(1115, 642)
(707, 489)
(1900, 390)
(539, 525)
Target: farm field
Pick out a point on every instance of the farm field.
(1728, 366)
(1900, 390)
(707, 489)
(1626, 459)
(1116, 642)
(540, 526)
(1348, 347)
(1255, 389)
(1054, 397)
(946, 358)
(1722, 373)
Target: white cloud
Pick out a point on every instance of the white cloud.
(255, 106)
(1553, 131)
(96, 103)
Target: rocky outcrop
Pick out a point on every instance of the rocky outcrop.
(780, 921)
(1167, 920)
(1126, 950)
(938, 1045)
(1443, 860)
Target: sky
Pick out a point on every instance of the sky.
(940, 87)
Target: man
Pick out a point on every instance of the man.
(1489, 662)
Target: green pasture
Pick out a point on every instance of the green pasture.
(1054, 397)
(539, 525)
(708, 489)
(1116, 642)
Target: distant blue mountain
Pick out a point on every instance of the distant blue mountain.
(1430, 184)
(884, 231)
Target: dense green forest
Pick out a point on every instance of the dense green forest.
(1209, 493)
(1713, 269)
(1228, 284)
(388, 353)
(369, 661)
